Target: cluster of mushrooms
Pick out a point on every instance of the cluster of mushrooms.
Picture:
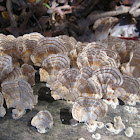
(91, 76)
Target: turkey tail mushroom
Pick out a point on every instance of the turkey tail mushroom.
(43, 121)
(19, 95)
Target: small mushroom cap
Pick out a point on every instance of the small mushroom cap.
(96, 136)
(109, 127)
(16, 114)
(131, 109)
(118, 124)
(113, 102)
(6, 66)
(129, 132)
(126, 108)
(100, 125)
(91, 125)
(19, 95)
(117, 119)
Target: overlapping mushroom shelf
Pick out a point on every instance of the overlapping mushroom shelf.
(90, 76)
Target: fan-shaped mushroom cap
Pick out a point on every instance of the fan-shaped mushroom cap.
(123, 47)
(99, 46)
(26, 44)
(95, 58)
(28, 73)
(15, 74)
(45, 47)
(6, 66)
(61, 89)
(69, 42)
(43, 121)
(33, 36)
(52, 65)
(19, 95)
(88, 109)
(72, 83)
(129, 91)
(8, 46)
(107, 77)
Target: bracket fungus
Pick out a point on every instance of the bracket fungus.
(6, 66)
(91, 76)
(45, 47)
(51, 66)
(117, 127)
(129, 132)
(129, 91)
(88, 110)
(43, 121)
(96, 136)
(19, 95)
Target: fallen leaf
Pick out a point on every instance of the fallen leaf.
(5, 15)
(43, 21)
(13, 30)
(102, 27)
(48, 34)
(128, 2)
